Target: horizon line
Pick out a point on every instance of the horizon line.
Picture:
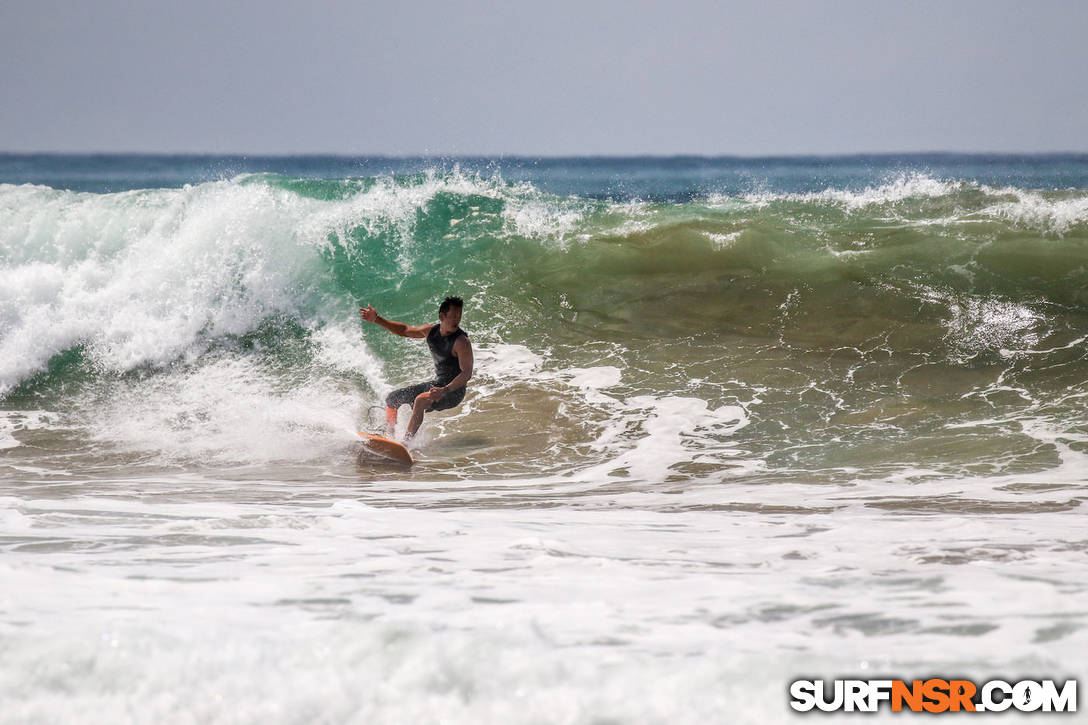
(528, 156)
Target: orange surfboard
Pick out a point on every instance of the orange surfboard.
(386, 448)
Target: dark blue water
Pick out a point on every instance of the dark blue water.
(663, 179)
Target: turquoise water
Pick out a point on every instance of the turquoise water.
(731, 418)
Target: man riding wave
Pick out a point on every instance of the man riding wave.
(452, 354)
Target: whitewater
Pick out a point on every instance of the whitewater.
(734, 422)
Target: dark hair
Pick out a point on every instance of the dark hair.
(450, 302)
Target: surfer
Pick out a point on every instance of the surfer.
(452, 354)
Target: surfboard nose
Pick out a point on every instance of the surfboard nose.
(386, 448)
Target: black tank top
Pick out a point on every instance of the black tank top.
(446, 366)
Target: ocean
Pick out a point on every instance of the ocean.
(734, 422)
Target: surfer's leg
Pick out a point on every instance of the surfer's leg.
(448, 401)
(419, 407)
(399, 397)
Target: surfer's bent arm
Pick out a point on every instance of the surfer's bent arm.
(463, 349)
(397, 328)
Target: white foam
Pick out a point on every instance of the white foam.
(904, 186)
(508, 360)
(663, 428)
(722, 241)
(594, 378)
(979, 324)
(145, 277)
(13, 421)
(1034, 211)
(340, 349)
(542, 218)
(227, 410)
(288, 611)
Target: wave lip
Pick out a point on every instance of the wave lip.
(1035, 211)
(915, 185)
(146, 278)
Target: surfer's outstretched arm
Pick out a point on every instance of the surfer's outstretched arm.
(397, 328)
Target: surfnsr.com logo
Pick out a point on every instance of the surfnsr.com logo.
(933, 695)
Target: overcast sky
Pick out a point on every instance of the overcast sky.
(543, 78)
